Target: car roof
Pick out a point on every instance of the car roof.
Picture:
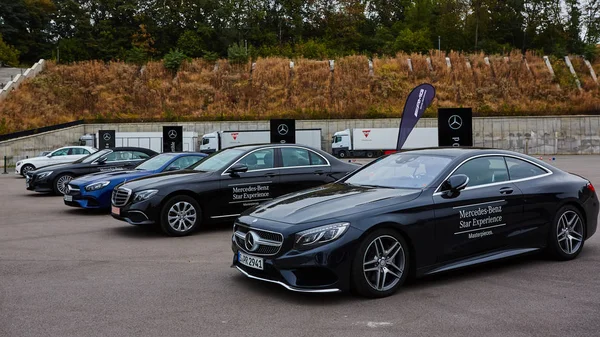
(140, 149)
(258, 146)
(456, 152)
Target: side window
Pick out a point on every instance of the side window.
(184, 162)
(484, 170)
(520, 169)
(139, 155)
(78, 151)
(293, 156)
(259, 160)
(61, 152)
(118, 156)
(315, 159)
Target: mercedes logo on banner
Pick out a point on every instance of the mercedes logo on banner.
(251, 241)
(106, 136)
(282, 129)
(172, 134)
(455, 122)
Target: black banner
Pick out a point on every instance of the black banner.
(172, 138)
(455, 127)
(106, 139)
(283, 131)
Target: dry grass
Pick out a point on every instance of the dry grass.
(200, 91)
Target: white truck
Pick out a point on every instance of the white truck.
(149, 140)
(374, 142)
(218, 140)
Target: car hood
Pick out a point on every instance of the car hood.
(35, 159)
(53, 167)
(330, 201)
(157, 181)
(110, 176)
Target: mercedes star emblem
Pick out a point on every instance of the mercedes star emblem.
(455, 122)
(282, 129)
(106, 136)
(251, 241)
(172, 134)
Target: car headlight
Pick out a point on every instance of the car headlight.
(44, 175)
(97, 186)
(19, 163)
(314, 237)
(144, 195)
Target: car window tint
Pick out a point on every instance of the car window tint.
(520, 169)
(118, 156)
(259, 160)
(293, 156)
(78, 151)
(315, 159)
(484, 170)
(184, 162)
(139, 155)
(61, 152)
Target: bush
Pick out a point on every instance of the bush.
(237, 54)
(136, 56)
(174, 59)
(9, 55)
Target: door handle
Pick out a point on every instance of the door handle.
(270, 174)
(319, 172)
(506, 190)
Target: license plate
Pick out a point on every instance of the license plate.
(250, 261)
(115, 210)
(68, 198)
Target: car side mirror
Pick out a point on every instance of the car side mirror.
(173, 168)
(237, 168)
(456, 183)
(102, 160)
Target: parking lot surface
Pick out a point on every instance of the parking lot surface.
(69, 272)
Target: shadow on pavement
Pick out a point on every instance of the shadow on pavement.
(85, 212)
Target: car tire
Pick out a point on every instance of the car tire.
(378, 271)
(61, 182)
(567, 233)
(180, 216)
(342, 154)
(369, 154)
(26, 168)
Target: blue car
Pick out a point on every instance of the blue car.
(94, 191)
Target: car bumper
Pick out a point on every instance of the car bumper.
(320, 270)
(141, 213)
(39, 186)
(86, 201)
(592, 208)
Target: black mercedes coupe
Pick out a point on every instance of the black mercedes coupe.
(416, 212)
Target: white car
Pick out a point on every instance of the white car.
(67, 154)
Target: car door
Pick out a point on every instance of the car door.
(483, 215)
(302, 168)
(242, 190)
(59, 156)
(118, 160)
(76, 153)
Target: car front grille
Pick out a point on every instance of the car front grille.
(268, 243)
(73, 190)
(120, 196)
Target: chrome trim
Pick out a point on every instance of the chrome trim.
(224, 216)
(479, 204)
(330, 290)
(482, 258)
(262, 240)
(548, 172)
(142, 213)
(112, 199)
(278, 168)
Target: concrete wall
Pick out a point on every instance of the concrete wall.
(16, 81)
(533, 135)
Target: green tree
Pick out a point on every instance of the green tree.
(9, 55)
(173, 60)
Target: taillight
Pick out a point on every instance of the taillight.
(590, 187)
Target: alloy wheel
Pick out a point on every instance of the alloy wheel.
(62, 183)
(182, 216)
(384, 262)
(569, 232)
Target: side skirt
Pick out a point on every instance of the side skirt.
(479, 259)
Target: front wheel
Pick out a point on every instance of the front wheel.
(342, 154)
(26, 168)
(381, 264)
(61, 182)
(567, 234)
(180, 216)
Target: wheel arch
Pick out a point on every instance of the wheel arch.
(575, 203)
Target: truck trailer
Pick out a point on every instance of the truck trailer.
(218, 140)
(148, 140)
(375, 142)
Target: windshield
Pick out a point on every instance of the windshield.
(401, 171)
(155, 163)
(93, 156)
(205, 141)
(217, 161)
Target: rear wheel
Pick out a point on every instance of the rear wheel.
(566, 235)
(381, 264)
(369, 154)
(26, 168)
(180, 216)
(61, 182)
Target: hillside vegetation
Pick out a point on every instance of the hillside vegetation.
(202, 91)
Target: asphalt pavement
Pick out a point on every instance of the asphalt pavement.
(68, 272)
